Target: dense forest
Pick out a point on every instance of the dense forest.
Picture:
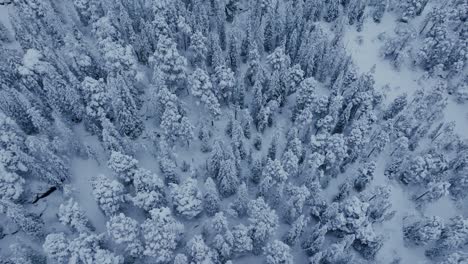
(233, 131)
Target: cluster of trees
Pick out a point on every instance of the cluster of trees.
(139, 74)
(442, 34)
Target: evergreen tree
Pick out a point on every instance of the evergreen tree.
(436, 191)
(167, 59)
(365, 176)
(71, 214)
(161, 233)
(224, 83)
(264, 222)
(242, 242)
(149, 190)
(187, 198)
(227, 178)
(199, 49)
(241, 201)
(296, 230)
(56, 248)
(124, 107)
(96, 100)
(198, 251)
(201, 87)
(125, 231)
(123, 165)
(211, 199)
(290, 163)
(297, 197)
(29, 223)
(277, 252)
(424, 231)
(108, 193)
(11, 185)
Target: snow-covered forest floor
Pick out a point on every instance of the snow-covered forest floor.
(234, 131)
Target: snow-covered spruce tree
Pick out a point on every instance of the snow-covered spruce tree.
(57, 169)
(330, 152)
(108, 193)
(227, 177)
(198, 47)
(241, 201)
(263, 223)
(223, 239)
(19, 107)
(88, 10)
(424, 231)
(411, 8)
(125, 231)
(199, 252)
(224, 83)
(167, 59)
(23, 253)
(290, 163)
(29, 223)
(116, 54)
(11, 185)
(337, 252)
(277, 252)
(97, 101)
(312, 244)
(161, 234)
(296, 230)
(297, 197)
(204, 135)
(368, 243)
(242, 242)
(125, 106)
(70, 213)
(86, 248)
(457, 257)
(123, 165)
(273, 176)
(201, 87)
(436, 190)
(181, 259)
(56, 248)
(187, 198)
(170, 122)
(167, 164)
(365, 176)
(379, 204)
(396, 106)
(211, 201)
(149, 190)
(453, 237)
(233, 58)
